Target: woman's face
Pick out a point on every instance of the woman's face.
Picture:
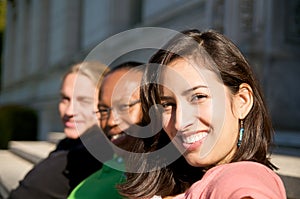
(120, 105)
(199, 114)
(77, 104)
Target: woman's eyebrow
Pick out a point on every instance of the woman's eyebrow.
(166, 98)
(101, 103)
(83, 98)
(194, 88)
(62, 94)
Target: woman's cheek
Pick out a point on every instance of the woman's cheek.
(164, 121)
(61, 108)
(167, 124)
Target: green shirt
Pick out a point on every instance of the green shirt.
(102, 183)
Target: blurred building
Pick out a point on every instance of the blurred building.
(43, 37)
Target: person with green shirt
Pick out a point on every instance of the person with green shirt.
(119, 108)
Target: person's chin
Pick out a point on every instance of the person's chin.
(71, 133)
(124, 142)
(118, 139)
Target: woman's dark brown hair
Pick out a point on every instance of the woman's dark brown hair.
(233, 70)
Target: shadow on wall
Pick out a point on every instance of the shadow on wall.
(17, 123)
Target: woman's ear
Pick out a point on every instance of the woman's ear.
(243, 100)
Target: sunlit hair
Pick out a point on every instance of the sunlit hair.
(93, 70)
(127, 66)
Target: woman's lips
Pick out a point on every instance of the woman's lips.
(117, 136)
(70, 124)
(118, 139)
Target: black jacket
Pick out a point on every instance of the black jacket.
(57, 175)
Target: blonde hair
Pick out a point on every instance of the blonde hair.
(91, 69)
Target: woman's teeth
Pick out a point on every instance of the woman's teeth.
(189, 139)
(117, 136)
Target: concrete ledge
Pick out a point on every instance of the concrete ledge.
(288, 165)
(22, 155)
(33, 151)
(4, 193)
(289, 171)
(12, 169)
(55, 137)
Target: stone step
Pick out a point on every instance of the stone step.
(12, 169)
(288, 165)
(18, 160)
(33, 151)
(289, 171)
(55, 137)
(22, 155)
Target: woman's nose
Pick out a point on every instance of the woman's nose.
(69, 109)
(184, 116)
(113, 118)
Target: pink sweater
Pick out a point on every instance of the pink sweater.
(237, 180)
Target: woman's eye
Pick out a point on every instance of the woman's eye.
(64, 99)
(103, 111)
(123, 107)
(85, 101)
(198, 98)
(167, 105)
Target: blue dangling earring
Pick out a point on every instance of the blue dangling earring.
(241, 133)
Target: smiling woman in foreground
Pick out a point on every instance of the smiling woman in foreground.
(214, 113)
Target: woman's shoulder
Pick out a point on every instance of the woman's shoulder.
(240, 179)
(239, 168)
(248, 171)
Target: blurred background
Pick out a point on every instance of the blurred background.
(40, 39)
